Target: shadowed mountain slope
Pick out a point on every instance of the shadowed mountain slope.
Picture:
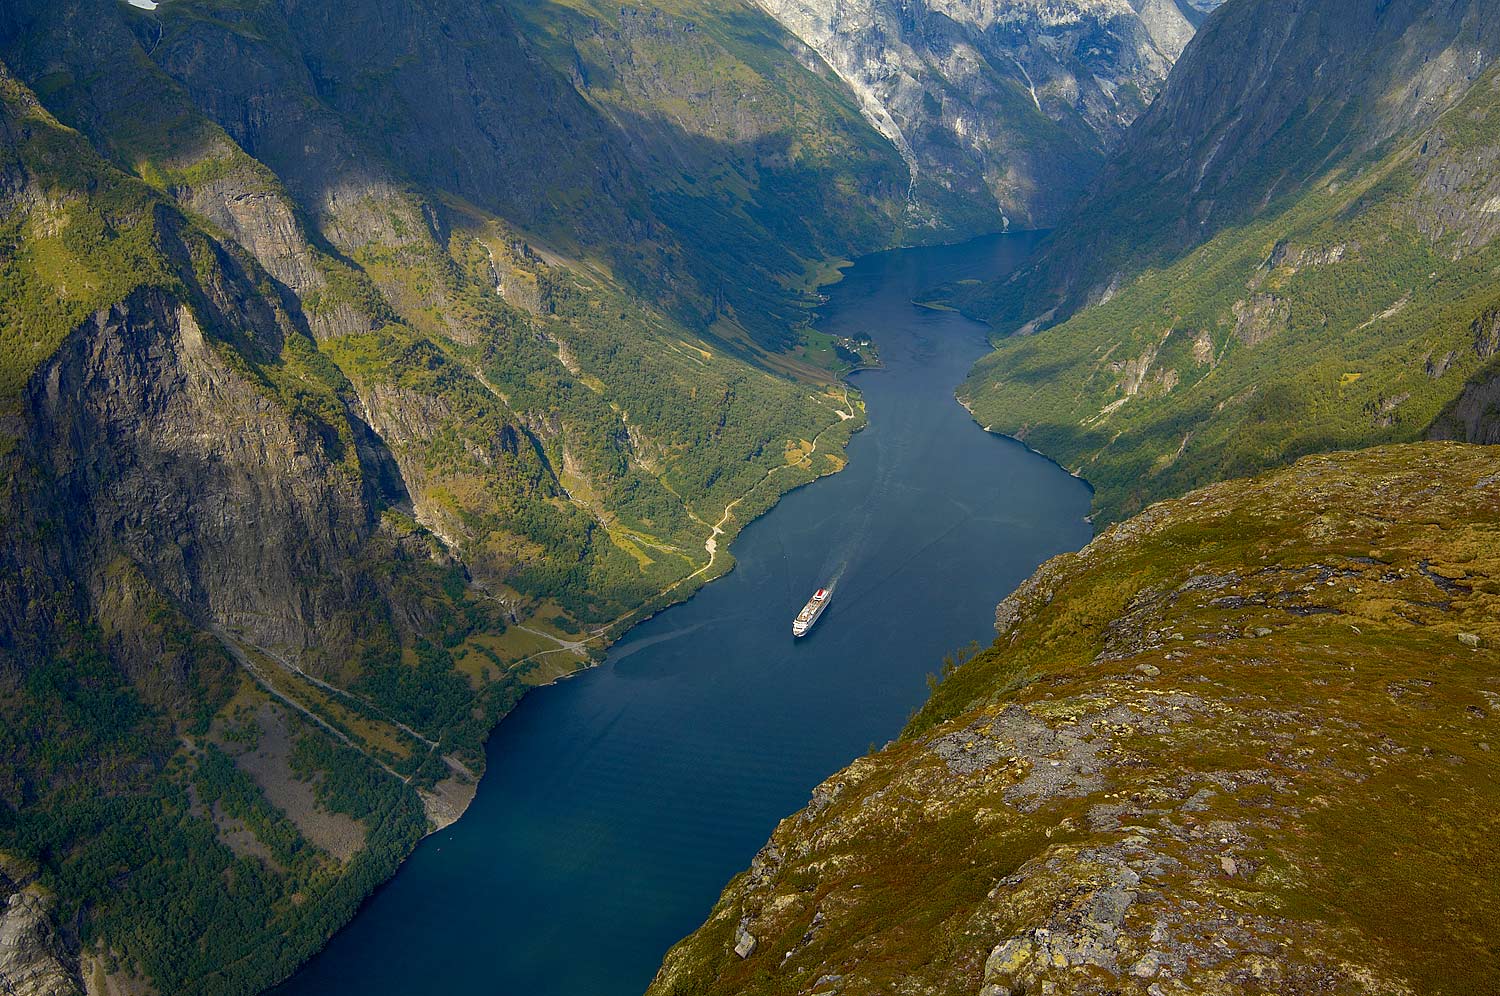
(1294, 251)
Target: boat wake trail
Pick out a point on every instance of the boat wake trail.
(837, 564)
(625, 649)
(916, 554)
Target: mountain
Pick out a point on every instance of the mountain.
(747, 149)
(368, 363)
(1004, 111)
(1292, 251)
(718, 213)
(359, 372)
(1242, 743)
(363, 364)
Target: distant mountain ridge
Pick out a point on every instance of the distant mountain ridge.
(1007, 106)
(1276, 94)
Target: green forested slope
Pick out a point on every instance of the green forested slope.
(749, 148)
(1338, 297)
(329, 421)
(136, 325)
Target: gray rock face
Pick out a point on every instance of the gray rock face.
(242, 501)
(1474, 416)
(1014, 101)
(29, 964)
(744, 942)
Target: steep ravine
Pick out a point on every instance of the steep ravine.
(1247, 742)
(1007, 107)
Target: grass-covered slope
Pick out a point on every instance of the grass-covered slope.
(1247, 742)
(313, 456)
(1351, 312)
(1267, 97)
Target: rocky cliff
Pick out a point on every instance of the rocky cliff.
(33, 960)
(183, 478)
(325, 433)
(1242, 743)
(1008, 107)
(1474, 416)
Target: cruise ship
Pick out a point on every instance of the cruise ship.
(811, 611)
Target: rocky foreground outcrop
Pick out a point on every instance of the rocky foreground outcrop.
(1248, 741)
(30, 960)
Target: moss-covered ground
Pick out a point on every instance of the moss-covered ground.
(1246, 742)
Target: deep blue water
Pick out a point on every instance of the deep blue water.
(617, 804)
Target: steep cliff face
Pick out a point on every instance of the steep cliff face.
(31, 955)
(1473, 416)
(303, 413)
(1292, 252)
(183, 478)
(1009, 106)
(135, 412)
(1213, 752)
(132, 429)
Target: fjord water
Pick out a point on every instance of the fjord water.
(617, 804)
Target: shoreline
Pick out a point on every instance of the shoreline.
(1017, 439)
(616, 630)
(449, 812)
(611, 633)
(600, 640)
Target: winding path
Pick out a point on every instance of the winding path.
(717, 529)
(710, 545)
(237, 651)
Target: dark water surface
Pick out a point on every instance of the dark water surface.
(617, 804)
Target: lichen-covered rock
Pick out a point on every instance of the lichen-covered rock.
(30, 954)
(744, 942)
(1245, 743)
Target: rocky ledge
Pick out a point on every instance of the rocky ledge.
(30, 959)
(1248, 741)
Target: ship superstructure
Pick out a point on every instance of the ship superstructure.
(811, 611)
